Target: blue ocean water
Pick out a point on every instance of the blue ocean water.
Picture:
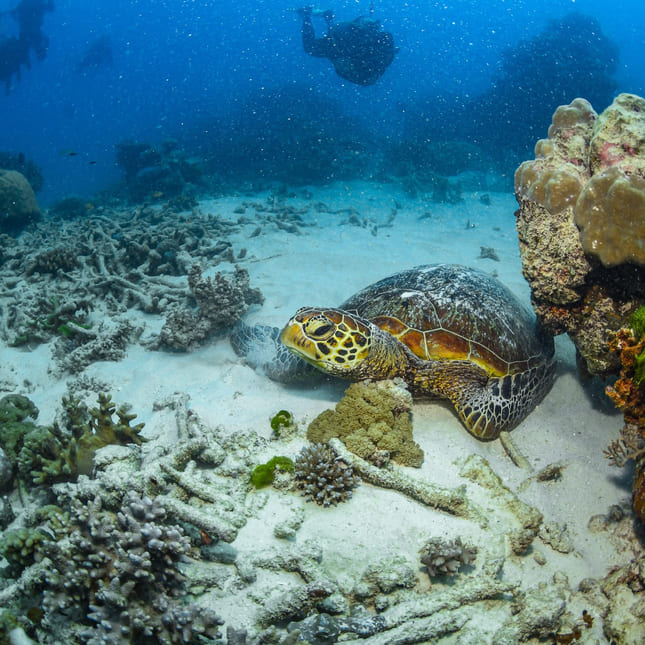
(210, 73)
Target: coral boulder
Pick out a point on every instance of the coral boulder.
(18, 205)
(581, 224)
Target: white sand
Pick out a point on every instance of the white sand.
(323, 266)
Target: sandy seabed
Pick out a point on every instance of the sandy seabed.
(367, 549)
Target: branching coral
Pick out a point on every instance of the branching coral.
(322, 477)
(55, 453)
(121, 571)
(630, 446)
(19, 546)
(52, 261)
(15, 412)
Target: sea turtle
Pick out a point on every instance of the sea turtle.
(447, 330)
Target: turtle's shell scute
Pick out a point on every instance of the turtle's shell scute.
(453, 312)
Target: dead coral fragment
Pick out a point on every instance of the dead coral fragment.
(221, 302)
(445, 557)
(371, 418)
(322, 477)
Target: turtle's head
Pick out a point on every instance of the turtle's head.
(332, 340)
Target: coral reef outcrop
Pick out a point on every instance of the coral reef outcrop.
(18, 205)
(156, 171)
(374, 421)
(17, 161)
(581, 224)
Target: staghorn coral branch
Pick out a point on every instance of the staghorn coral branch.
(631, 445)
(453, 501)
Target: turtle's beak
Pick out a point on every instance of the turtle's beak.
(294, 339)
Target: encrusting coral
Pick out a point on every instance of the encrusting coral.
(322, 477)
(374, 421)
(581, 224)
(628, 394)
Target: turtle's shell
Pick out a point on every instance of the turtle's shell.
(453, 312)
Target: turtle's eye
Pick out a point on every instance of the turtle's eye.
(319, 329)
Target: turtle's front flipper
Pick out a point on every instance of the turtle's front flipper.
(487, 408)
(261, 347)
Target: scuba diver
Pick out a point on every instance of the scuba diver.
(30, 15)
(15, 51)
(359, 50)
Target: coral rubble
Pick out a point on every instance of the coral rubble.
(169, 544)
(581, 235)
(81, 291)
(221, 302)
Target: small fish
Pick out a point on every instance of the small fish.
(68, 153)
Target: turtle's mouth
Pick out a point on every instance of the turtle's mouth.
(293, 338)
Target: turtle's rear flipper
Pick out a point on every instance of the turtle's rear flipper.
(261, 347)
(487, 408)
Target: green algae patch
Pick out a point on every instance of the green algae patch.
(264, 474)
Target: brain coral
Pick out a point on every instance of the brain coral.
(581, 224)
